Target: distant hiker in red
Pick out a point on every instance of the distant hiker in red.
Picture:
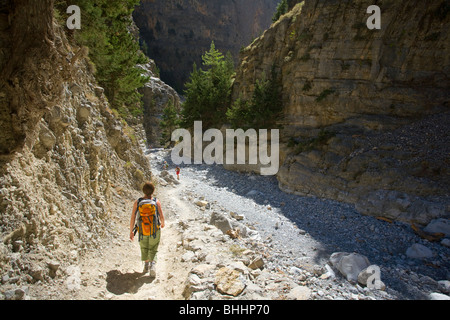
(177, 170)
(147, 218)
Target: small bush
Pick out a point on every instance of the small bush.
(311, 143)
(263, 110)
(325, 93)
(307, 86)
(282, 8)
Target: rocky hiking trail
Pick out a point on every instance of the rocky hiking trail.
(115, 271)
(233, 235)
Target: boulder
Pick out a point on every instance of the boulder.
(257, 263)
(221, 222)
(367, 275)
(418, 251)
(299, 293)
(193, 284)
(439, 226)
(438, 296)
(444, 286)
(349, 264)
(229, 281)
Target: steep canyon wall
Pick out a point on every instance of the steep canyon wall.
(365, 111)
(178, 32)
(69, 166)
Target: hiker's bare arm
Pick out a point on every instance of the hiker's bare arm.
(163, 223)
(133, 220)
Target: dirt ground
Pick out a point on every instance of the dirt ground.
(116, 272)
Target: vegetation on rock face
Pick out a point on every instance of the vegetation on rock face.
(263, 110)
(113, 49)
(208, 97)
(308, 144)
(282, 8)
(169, 122)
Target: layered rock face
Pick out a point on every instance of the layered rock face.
(365, 111)
(156, 96)
(178, 32)
(68, 165)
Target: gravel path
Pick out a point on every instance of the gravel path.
(303, 232)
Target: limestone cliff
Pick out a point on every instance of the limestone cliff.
(365, 111)
(69, 167)
(178, 32)
(156, 96)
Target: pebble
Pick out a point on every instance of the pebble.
(299, 235)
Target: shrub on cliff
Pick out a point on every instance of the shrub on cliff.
(282, 8)
(169, 122)
(263, 110)
(105, 30)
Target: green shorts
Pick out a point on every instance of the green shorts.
(149, 247)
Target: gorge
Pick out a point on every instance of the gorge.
(178, 32)
(358, 101)
(364, 127)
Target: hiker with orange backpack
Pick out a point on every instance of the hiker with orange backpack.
(147, 219)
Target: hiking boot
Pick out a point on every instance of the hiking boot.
(146, 267)
(152, 272)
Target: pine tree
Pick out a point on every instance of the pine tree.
(263, 110)
(113, 49)
(169, 122)
(208, 90)
(282, 8)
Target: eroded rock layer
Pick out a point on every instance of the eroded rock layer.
(365, 111)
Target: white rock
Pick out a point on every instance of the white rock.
(299, 293)
(188, 256)
(438, 296)
(201, 203)
(329, 273)
(444, 286)
(73, 281)
(418, 251)
(349, 264)
(295, 271)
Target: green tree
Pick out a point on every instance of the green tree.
(169, 122)
(282, 8)
(263, 110)
(113, 49)
(208, 90)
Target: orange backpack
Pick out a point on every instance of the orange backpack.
(148, 222)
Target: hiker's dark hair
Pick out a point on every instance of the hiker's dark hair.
(148, 188)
